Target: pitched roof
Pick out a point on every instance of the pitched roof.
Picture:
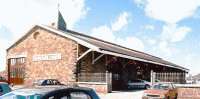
(110, 48)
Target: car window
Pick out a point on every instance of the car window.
(79, 95)
(5, 88)
(162, 86)
(48, 82)
(137, 81)
(133, 81)
(142, 81)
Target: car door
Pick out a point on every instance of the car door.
(172, 93)
(139, 83)
(1, 90)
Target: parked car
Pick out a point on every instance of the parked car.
(162, 90)
(52, 93)
(2, 79)
(132, 84)
(46, 82)
(4, 88)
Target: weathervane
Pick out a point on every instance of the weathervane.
(58, 5)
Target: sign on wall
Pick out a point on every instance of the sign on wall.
(44, 57)
(17, 55)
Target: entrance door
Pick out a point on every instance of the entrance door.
(16, 71)
(117, 82)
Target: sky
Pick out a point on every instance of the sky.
(165, 28)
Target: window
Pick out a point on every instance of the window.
(21, 60)
(116, 76)
(35, 35)
(13, 61)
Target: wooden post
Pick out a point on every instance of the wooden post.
(109, 81)
(8, 72)
(152, 77)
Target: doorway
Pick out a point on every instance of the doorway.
(16, 70)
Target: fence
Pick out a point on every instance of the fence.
(93, 77)
(102, 82)
(175, 77)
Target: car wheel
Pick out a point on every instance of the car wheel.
(147, 86)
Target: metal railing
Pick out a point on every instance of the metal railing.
(176, 77)
(94, 77)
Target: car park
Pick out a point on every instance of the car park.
(138, 84)
(4, 88)
(161, 90)
(52, 93)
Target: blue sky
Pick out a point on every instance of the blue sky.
(165, 28)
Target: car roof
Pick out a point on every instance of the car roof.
(3, 83)
(30, 91)
(163, 83)
(44, 90)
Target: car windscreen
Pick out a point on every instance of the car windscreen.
(162, 86)
(5, 88)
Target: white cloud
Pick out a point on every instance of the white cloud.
(20, 15)
(149, 27)
(173, 33)
(140, 3)
(170, 34)
(131, 42)
(164, 48)
(103, 32)
(121, 22)
(151, 41)
(107, 33)
(170, 11)
(4, 45)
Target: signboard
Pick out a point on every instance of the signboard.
(45, 57)
(17, 55)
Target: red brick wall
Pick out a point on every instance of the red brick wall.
(47, 43)
(188, 93)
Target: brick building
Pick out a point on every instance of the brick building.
(71, 57)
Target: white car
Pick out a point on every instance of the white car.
(138, 84)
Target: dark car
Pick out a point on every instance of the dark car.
(4, 88)
(52, 93)
(2, 79)
(46, 82)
